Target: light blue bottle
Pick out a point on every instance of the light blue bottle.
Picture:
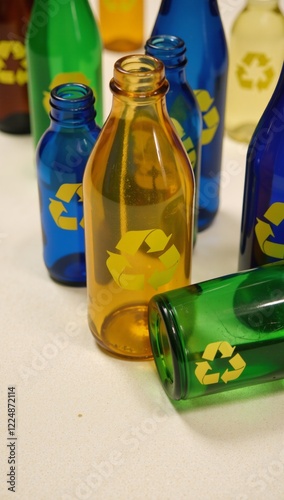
(181, 102)
(199, 24)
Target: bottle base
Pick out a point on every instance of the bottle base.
(125, 333)
(242, 133)
(16, 124)
(205, 219)
(122, 45)
(69, 270)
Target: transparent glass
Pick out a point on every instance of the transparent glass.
(122, 24)
(138, 206)
(221, 334)
(55, 59)
(61, 158)
(14, 105)
(198, 23)
(181, 102)
(256, 50)
(262, 239)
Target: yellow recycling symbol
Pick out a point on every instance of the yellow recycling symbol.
(13, 64)
(59, 80)
(255, 71)
(263, 230)
(187, 142)
(57, 208)
(122, 266)
(210, 115)
(226, 350)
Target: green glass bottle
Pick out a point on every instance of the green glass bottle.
(63, 46)
(221, 334)
(138, 208)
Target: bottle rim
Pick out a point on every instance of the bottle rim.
(170, 49)
(139, 75)
(167, 347)
(72, 96)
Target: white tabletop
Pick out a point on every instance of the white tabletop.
(90, 426)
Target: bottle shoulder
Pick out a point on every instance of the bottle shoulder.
(250, 23)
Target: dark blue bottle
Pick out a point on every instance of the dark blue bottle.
(262, 228)
(181, 102)
(199, 24)
(61, 156)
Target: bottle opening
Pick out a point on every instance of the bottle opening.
(140, 75)
(72, 96)
(169, 49)
(167, 348)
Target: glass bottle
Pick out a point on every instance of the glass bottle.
(198, 23)
(262, 225)
(138, 205)
(61, 157)
(221, 334)
(54, 58)
(181, 102)
(256, 54)
(122, 24)
(14, 105)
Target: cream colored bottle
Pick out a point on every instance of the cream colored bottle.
(256, 50)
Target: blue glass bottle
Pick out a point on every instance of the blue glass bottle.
(262, 228)
(181, 102)
(199, 24)
(61, 157)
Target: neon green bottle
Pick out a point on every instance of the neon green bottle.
(256, 50)
(221, 334)
(138, 208)
(63, 46)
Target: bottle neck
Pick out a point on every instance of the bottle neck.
(137, 78)
(72, 105)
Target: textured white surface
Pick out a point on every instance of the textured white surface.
(94, 427)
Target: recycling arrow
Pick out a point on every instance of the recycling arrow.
(201, 373)
(263, 230)
(238, 364)
(210, 115)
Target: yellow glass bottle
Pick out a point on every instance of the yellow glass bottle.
(138, 208)
(256, 50)
(122, 24)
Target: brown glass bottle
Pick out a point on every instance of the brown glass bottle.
(138, 209)
(14, 106)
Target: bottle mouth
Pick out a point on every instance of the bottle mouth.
(168, 48)
(139, 75)
(72, 96)
(72, 101)
(167, 347)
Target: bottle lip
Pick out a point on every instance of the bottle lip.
(139, 75)
(170, 49)
(72, 96)
(72, 103)
(168, 349)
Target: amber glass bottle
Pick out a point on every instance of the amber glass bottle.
(122, 24)
(14, 105)
(138, 207)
